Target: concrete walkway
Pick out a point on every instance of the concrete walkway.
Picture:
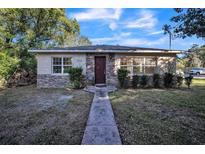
(101, 128)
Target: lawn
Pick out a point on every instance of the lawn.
(43, 116)
(161, 116)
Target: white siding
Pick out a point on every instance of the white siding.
(44, 61)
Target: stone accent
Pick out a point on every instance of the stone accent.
(166, 64)
(52, 81)
(111, 77)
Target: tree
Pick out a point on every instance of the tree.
(167, 30)
(189, 22)
(7, 65)
(202, 55)
(22, 29)
(76, 40)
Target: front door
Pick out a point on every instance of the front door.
(100, 69)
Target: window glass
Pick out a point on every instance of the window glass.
(123, 61)
(138, 61)
(57, 69)
(61, 65)
(66, 68)
(67, 61)
(149, 69)
(150, 61)
(57, 61)
(138, 65)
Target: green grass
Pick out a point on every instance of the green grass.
(38, 116)
(161, 116)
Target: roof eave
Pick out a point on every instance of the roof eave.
(104, 51)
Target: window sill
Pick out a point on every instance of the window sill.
(60, 74)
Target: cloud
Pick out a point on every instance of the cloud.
(156, 32)
(97, 14)
(125, 34)
(143, 42)
(102, 40)
(125, 39)
(146, 20)
(113, 26)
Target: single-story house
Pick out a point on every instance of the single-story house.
(100, 63)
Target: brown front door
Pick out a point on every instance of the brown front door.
(100, 63)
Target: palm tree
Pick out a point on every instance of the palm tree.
(167, 30)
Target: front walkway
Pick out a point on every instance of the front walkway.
(101, 128)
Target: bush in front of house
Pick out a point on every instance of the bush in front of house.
(122, 75)
(188, 81)
(156, 80)
(8, 65)
(168, 80)
(144, 80)
(76, 77)
(135, 81)
(179, 81)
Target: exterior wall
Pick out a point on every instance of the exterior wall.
(111, 77)
(45, 78)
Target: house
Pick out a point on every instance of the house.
(100, 63)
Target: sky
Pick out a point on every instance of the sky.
(129, 27)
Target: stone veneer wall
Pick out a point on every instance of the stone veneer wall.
(111, 77)
(52, 81)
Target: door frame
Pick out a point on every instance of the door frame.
(96, 71)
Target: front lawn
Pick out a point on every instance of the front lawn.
(161, 116)
(43, 116)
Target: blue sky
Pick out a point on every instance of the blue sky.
(131, 27)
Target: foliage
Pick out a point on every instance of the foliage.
(23, 29)
(168, 80)
(202, 55)
(76, 40)
(122, 75)
(188, 80)
(144, 80)
(7, 65)
(76, 77)
(179, 81)
(189, 22)
(156, 80)
(135, 81)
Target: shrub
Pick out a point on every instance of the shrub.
(28, 63)
(168, 80)
(135, 81)
(156, 80)
(76, 77)
(8, 65)
(122, 75)
(144, 80)
(188, 80)
(179, 81)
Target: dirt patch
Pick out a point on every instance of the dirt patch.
(43, 116)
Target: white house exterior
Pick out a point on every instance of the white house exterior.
(100, 63)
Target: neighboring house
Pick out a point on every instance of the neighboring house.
(100, 63)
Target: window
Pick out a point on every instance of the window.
(125, 64)
(139, 65)
(150, 64)
(61, 65)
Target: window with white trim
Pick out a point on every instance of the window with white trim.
(138, 65)
(61, 65)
